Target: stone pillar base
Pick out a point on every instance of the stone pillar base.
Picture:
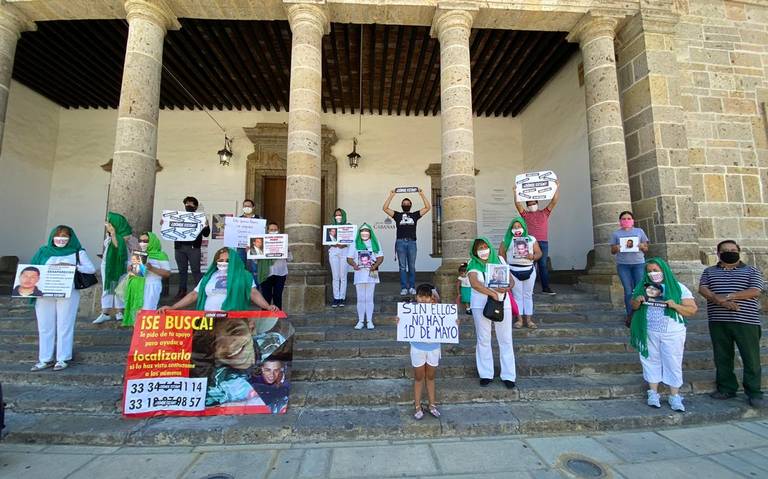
(444, 280)
(90, 300)
(305, 289)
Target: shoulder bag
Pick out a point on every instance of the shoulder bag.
(494, 309)
(83, 280)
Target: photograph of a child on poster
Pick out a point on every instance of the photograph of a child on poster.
(654, 295)
(520, 248)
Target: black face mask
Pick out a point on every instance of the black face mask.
(190, 208)
(406, 208)
(730, 257)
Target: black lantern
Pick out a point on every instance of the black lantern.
(354, 157)
(225, 154)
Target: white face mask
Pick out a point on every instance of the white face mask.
(247, 210)
(222, 265)
(338, 219)
(143, 246)
(656, 276)
(483, 253)
(60, 241)
(517, 231)
(533, 207)
(273, 231)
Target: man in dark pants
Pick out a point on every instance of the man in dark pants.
(187, 253)
(732, 290)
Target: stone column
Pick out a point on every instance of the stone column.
(12, 23)
(306, 284)
(132, 184)
(452, 26)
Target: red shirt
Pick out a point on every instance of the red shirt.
(538, 223)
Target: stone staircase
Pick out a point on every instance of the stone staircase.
(575, 373)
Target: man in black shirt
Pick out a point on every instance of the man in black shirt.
(405, 245)
(187, 253)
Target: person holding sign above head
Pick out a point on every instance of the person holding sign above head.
(56, 316)
(337, 257)
(521, 251)
(366, 250)
(187, 253)
(273, 273)
(143, 291)
(482, 254)
(629, 244)
(405, 244)
(113, 265)
(657, 332)
(537, 220)
(227, 286)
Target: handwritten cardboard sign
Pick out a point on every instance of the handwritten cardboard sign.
(238, 230)
(427, 323)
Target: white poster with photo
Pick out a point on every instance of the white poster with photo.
(43, 281)
(539, 185)
(427, 323)
(629, 244)
(339, 234)
(181, 225)
(238, 230)
(521, 248)
(497, 275)
(268, 246)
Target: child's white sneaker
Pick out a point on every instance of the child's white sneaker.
(359, 325)
(119, 317)
(370, 324)
(103, 318)
(653, 398)
(676, 403)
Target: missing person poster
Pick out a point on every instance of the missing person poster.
(268, 247)
(629, 244)
(497, 275)
(339, 234)
(535, 186)
(654, 295)
(427, 323)
(218, 225)
(238, 230)
(521, 248)
(181, 225)
(43, 281)
(138, 266)
(197, 363)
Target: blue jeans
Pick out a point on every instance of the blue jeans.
(541, 265)
(630, 275)
(406, 258)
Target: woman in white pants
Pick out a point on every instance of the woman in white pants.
(56, 316)
(481, 255)
(113, 265)
(521, 251)
(365, 257)
(337, 258)
(657, 330)
(145, 282)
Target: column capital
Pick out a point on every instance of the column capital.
(592, 25)
(310, 11)
(155, 11)
(453, 13)
(15, 21)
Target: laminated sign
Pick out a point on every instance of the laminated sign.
(535, 186)
(182, 225)
(207, 363)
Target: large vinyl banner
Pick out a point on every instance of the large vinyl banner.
(205, 363)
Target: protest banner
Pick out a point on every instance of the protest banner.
(43, 281)
(181, 225)
(497, 275)
(427, 323)
(629, 244)
(535, 186)
(218, 226)
(273, 246)
(237, 230)
(339, 234)
(197, 363)
(407, 189)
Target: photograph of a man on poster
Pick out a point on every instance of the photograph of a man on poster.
(629, 244)
(654, 295)
(271, 385)
(256, 247)
(331, 235)
(234, 357)
(28, 280)
(521, 248)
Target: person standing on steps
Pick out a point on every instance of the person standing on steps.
(250, 264)
(143, 292)
(405, 244)
(365, 257)
(538, 227)
(732, 290)
(276, 272)
(629, 264)
(113, 264)
(187, 253)
(337, 258)
(521, 250)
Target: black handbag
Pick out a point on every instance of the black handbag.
(83, 280)
(494, 309)
(523, 274)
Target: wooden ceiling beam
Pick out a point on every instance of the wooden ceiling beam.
(508, 60)
(354, 83)
(430, 43)
(270, 72)
(344, 92)
(419, 65)
(177, 62)
(407, 71)
(395, 68)
(329, 97)
(383, 74)
(279, 48)
(371, 66)
(260, 84)
(555, 63)
(483, 87)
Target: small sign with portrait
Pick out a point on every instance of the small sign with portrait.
(267, 246)
(497, 275)
(339, 234)
(43, 281)
(629, 244)
(138, 266)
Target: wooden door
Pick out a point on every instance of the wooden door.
(274, 200)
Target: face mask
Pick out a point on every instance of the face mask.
(730, 257)
(483, 253)
(143, 246)
(656, 276)
(247, 210)
(222, 265)
(60, 241)
(406, 208)
(627, 223)
(273, 232)
(190, 208)
(533, 207)
(517, 231)
(338, 219)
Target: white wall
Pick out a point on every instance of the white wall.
(554, 132)
(26, 168)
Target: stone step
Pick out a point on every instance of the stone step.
(58, 399)
(302, 424)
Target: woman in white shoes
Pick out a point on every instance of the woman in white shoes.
(365, 257)
(113, 266)
(337, 258)
(56, 316)
(657, 331)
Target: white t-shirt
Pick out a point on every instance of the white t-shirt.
(153, 278)
(660, 322)
(363, 275)
(513, 250)
(465, 281)
(216, 291)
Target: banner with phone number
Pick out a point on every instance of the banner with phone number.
(204, 363)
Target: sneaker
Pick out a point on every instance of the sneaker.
(757, 403)
(676, 402)
(119, 317)
(342, 303)
(404, 292)
(370, 324)
(412, 291)
(548, 291)
(653, 398)
(335, 303)
(484, 382)
(469, 311)
(41, 366)
(359, 325)
(103, 318)
(60, 365)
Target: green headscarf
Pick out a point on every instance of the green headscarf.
(638, 337)
(239, 281)
(360, 244)
(508, 235)
(49, 249)
(116, 256)
(475, 263)
(134, 288)
(343, 217)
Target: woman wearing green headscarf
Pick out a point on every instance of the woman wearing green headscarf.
(113, 265)
(145, 277)
(337, 258)
(227, 286)
(365, 257)
(56, 316)
(521, 251)
(660, 303)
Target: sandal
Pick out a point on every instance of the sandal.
(418, 414)
(433, 410)
(531, 325)
(518, 324)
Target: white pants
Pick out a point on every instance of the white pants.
(365, 300)
(523, 292)
(152, 292)
(108, 300)
(337, 257)
(483, 351)
(56, 326)
(665, 358)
